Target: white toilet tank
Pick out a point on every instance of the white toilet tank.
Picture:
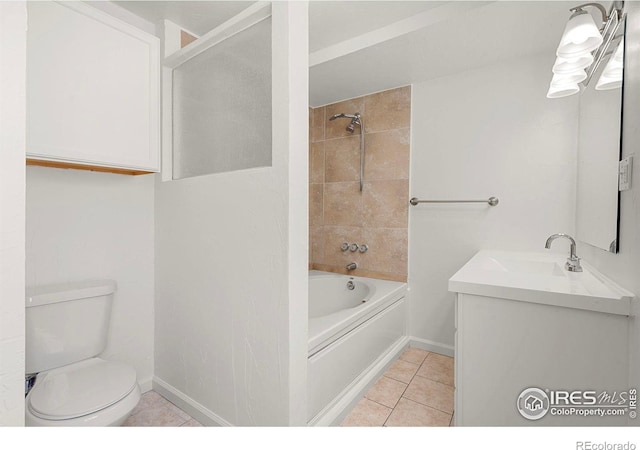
(66, 323)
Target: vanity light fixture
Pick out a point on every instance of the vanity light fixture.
(582, 47)
(611, 77)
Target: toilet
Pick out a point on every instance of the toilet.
(66, 330)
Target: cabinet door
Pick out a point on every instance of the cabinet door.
(92, 88)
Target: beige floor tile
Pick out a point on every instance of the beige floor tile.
(178, 411)
(160, 416)
(149, 399)
(386, 391)
(402, 371)
(367, 414)
(192, 423)
(430, 393)
(437, 368)
(414, 355)
(452, 423)
(412, 414)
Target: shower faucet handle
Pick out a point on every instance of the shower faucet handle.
(354, 247)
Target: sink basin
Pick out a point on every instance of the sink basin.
(550, 268)
(539, 278)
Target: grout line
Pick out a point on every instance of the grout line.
(396, 403)
(435, 381)
(428, 406)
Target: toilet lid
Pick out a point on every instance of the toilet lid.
(80, 389)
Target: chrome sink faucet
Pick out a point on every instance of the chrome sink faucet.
(573, 262)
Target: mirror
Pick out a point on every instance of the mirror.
(599, 150)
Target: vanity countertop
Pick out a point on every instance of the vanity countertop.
(539, 278)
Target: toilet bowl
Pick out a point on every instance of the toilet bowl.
(66, 331)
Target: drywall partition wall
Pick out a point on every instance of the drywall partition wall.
(13, 65)
(88, 225)
(231, 267)
(485, 132)
(624, 267)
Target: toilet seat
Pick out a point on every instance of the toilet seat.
(80, 389)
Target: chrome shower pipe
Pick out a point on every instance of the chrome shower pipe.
(356, 119)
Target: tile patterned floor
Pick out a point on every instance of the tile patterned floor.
(154, 410)
(417, 390)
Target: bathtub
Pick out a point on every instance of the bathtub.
(349, 331)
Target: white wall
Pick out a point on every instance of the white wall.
(476, 134)
(231, 267)
(624, 267)
(88, 225)
(13, 40)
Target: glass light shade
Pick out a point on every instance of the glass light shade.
(569, 78)
(581, 36)
(562, 90)
(611, 77)
(563, 65)
(619, 54)
(613, 70)
(605, 83)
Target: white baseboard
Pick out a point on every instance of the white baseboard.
(430, 346)
(335, 413)
(199, 412)
(146, 384)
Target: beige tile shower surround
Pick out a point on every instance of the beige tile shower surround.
(338, 211)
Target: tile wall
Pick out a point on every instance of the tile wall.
(338, 211)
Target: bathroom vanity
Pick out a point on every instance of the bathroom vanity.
(523, 321)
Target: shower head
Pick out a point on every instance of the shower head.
(355, 120)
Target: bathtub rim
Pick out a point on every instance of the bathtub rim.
(324, 330)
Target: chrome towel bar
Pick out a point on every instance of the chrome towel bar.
(493, 201)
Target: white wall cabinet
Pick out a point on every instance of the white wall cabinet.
(93, 90)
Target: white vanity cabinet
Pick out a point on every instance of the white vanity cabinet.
(93, 90)
(522, 322)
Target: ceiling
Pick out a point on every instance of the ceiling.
(331, 22)
(197, 17)
(481, 36)
(359, 47)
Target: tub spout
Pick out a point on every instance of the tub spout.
(352, 266)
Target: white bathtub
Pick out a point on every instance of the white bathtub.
(349, 330)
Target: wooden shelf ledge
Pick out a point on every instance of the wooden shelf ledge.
(69, 165)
